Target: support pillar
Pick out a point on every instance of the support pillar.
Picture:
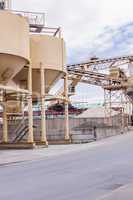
(30, 111)
(110, 108)
(43, 113)
(5, 125)
(67, 135)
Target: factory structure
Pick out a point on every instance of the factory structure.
(32, 61)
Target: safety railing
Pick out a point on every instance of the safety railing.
(37, 23)
(34, 18)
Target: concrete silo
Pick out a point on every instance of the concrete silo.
(49, 52)
(14, 45)
(14, 55)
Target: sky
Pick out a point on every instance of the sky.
(102, 28)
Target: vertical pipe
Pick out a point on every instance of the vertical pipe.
(5, 125)
(110, 108)
(43, 114)
(8, 4)
(67, 136)
(105, 108)
(127, 112)
(44, 20)
(122, 114)
(60, 33)
(30, 111)
(130, 113)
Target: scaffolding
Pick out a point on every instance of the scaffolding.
(114, 83)
(37, 23)
(116, 100)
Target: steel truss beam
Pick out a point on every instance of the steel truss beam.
(114, 89)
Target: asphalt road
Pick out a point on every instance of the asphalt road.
(84, 174)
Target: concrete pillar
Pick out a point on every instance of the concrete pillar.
(5, 125)
(30, 111)
(43, 114)
(67, 136)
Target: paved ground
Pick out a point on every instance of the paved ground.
(73, 172)
(123, 193)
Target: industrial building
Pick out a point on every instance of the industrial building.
(32, 60)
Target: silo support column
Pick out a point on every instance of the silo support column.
(43, 113)
(30, 110)
(67, 136)
(5, 125)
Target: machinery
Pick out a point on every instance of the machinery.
(14, 53)
(117, 85)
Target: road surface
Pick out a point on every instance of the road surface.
(86, 173)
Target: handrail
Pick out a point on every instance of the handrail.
(37, 17)
(37, 23)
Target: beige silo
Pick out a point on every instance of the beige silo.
(14, 55)
(49, 52)
(14, 45)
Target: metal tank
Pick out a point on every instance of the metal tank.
(14, 45)
(48, 51)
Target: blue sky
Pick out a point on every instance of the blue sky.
(102, 28)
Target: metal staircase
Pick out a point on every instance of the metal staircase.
(21, 130)
(21, 134)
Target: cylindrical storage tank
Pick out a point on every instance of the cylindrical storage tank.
(14, 45)
(50, 52)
